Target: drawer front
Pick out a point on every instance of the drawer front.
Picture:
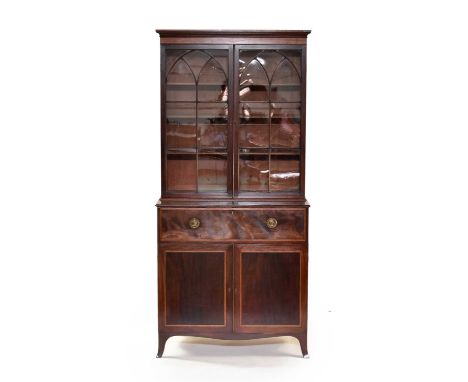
(271, 224)
(258, 224)
(196, 224)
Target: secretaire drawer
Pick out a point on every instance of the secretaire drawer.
(271, 224)
(237, 224)
(196, 224)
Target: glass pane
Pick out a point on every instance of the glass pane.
(181, 136)
(253, 84)
(294, 56)
(253, 135)
(181, 172)
(254, 113)
(180, 83)
(180, 125)
(286, 84)
(254, 125)
(196, 59)
(245, 56)
(253, 172)
(180, 93)
(212, 92)
(285, 172)
(286, 125)
(212, 83)
(269, 60)
(286, 74)
(212, 124)
(172, 55)
(212, 172)
(212, 113)
(180, 112)
(213, 136)
(180, 74)
(221, 56)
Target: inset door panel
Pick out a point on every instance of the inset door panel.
(195, 281)
(270, 288)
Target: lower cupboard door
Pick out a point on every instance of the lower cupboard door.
(270, 294)
(194, 288)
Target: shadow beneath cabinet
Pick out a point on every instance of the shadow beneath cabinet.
(262, 352)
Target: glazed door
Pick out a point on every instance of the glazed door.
(269, 120)
(270, 288)
(196, 120)
(195, 285)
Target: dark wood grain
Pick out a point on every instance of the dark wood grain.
(251, 224)
(270, 288)
(235, 224)
(195, 282)
(215, 225)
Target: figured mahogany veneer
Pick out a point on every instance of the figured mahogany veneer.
(232, 224)
(233, 218)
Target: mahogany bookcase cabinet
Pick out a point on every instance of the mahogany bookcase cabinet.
(233, 218)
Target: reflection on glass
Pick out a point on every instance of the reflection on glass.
(253, 172)
(253, 135)
(212, 171)
(285, 173)
(254, 125)
(254, 113)
(285, 125)
(254, 83)
(214, 136)
(212, 124)
(182, 136)
(270, 60)
(180, 125)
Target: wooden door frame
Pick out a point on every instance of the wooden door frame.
(235, 122)
(201, 195)
(280, 248)
(187, 329)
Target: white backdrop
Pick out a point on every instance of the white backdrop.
(387, 178)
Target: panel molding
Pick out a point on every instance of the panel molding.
(241, 249)
(223, 250)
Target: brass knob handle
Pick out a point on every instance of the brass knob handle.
(194, 223)
(271, 223)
